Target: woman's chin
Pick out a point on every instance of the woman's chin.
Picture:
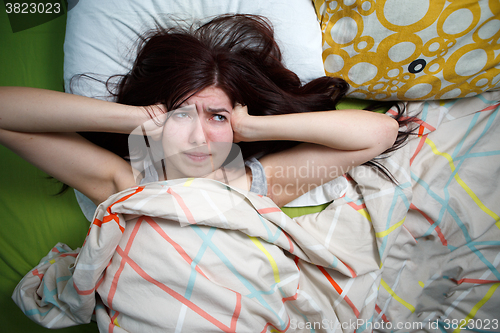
(198, 171)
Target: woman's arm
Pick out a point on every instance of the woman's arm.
(339, 129)
(39, 126)
(38, 110)
(335, 142)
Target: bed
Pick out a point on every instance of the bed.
(421, 256)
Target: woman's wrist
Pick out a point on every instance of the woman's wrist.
(259, 128)
(264, 128)
(127, 118)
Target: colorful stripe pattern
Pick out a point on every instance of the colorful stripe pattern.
(197, 255)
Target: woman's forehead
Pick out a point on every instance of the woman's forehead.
(211, 92)
(212, 98)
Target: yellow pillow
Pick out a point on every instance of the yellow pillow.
(412, 49)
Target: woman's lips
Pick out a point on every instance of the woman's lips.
(198, 157)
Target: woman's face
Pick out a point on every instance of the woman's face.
(198, 136)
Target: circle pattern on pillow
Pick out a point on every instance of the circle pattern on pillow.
(412, 49)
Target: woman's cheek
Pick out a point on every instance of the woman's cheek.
(222, 134)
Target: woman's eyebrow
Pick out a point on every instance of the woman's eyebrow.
(216, 110)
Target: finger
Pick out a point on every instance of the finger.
(240, 107)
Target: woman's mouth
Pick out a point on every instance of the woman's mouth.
(198, 157)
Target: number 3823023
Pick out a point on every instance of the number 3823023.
(33, 8)
(485, 324)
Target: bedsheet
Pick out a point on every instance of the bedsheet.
(442, 273)
(198, 256)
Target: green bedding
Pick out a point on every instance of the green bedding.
(33, 217)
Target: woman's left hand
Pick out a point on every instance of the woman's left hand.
(240, 120)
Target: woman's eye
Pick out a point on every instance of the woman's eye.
(182, 115)
(219, 117)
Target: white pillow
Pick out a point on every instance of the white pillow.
(100, 34)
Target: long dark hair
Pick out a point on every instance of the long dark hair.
(236, 53)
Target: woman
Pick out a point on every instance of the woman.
(196, 91)
(226, 63)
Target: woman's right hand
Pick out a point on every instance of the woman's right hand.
(152, 127)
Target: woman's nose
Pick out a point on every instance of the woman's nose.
(197, 135)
